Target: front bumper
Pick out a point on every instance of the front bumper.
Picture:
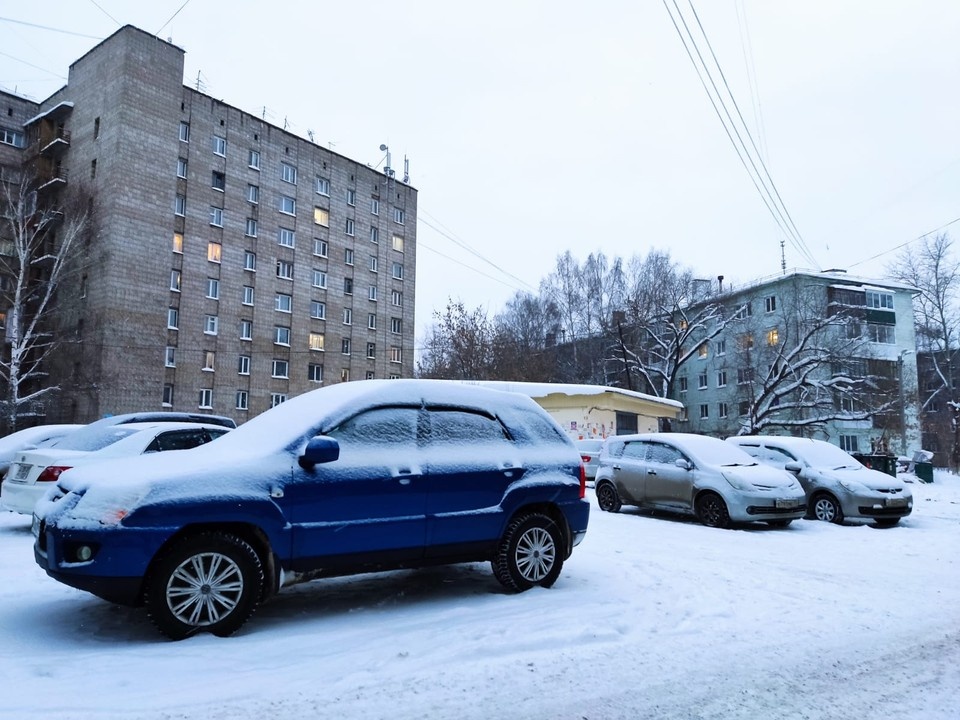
(750, 506)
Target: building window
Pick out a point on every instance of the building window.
(347, 316)
(320, 247)
(397, 242)
(323, 186)
(287, 238)
(345, 346)
(373, 264)
(372, 294)
(396, 271)
(173, 318)
(247, 295)
(372, 321)
(743, 312)
(184, 132)
(213, 252)
(218, 181)
(210, 325)
(720, 347)
(682, 383)
(315, 341)
(702, 350)
(744, 375)
(168, 395)
(243, 366)
(243, 400)
(284, 303)
(374, 235)
(881, 333)
(743, 408)
(348, 228)
(216, 216)
(773, 337)
(348, 286)
(320, 279)
(704, 411)
(351, 197)
(321, 217)
(209, 360)
(277, 398)
(206, 399)
(170, 357)
(848, 404)
(219, 145)
(879, 300)
(182, 168)
(213, 288)
(345, 375)
(281, 335)
(370, 375)
(180, 205)
(770, 303)
(721, 410)
(246, 330)
(288, 173)
(396, 325)
(396, 354)
(178, 243)
(284, 270)
(721, 378)
(398, 216)
(849, 443)
(288, 206)
(250, 261)
(253, 194)
(253, 159)
(251, 229)
(315, 373)
(348, 256)
(318, 310)
(374, 206)
(746, 341)
(702, 381)
(371, 350)
(280, 369)
(396, 298)
(175, 280)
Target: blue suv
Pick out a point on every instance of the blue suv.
(355, 477)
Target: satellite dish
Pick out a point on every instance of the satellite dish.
(383, 147)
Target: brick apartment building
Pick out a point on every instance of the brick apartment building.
(231, 264)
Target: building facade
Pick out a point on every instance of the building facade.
(231, 264)
(823, 355)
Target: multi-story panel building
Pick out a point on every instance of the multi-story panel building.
(233, 264)
(822, 355)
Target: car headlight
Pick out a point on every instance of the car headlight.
(738, 482)
(853, 486)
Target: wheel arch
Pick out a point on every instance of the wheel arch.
(554, 513)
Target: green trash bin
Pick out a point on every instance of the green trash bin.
(923, 471)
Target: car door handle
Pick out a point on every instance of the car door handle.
(404, 481)
(616, 467)
(651, 472)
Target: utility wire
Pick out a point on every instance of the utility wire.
(904, 244)
(97, 5)
(51, 29)
(35, 67)
(172, 17)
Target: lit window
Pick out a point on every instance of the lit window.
(210, 324)
(247, 295)
(315, 341)
(250, 261)
(397, 271)
(773, 337)
(318, 310)
(178, 242)
(213, 288)
(315, 373)
(253, 194)
(319, 279)
(173, 319)
(288, 173)
(284, 270)
(213, 252)
(284, 303)
(281, 335)
(243, 399)
(319, 247)
(323, 186)
(216, 216)
(397, 243)
(206, 399)
(184, 132)
(396, 354)
(243, 366)
(253, 159)
(702, 350)
(170, 357)
(280, 369)
(287, 238)
(321, 217)
(251, 229)
(219, 145)
(288, 205)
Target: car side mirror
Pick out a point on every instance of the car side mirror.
(683, 463)
(793, 467)
(320, 449)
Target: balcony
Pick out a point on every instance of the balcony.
(55, 143)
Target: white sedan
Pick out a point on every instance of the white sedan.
(34, 471)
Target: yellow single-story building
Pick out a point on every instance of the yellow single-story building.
(595, 411)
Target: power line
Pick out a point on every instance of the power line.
(172, 17)
(35, 67)
(94, 2)
(904, 244)
(51, 29)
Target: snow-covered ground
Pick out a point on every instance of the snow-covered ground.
(652, 617)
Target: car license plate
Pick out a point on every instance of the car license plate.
(784, 504)
(896, 502)
(22, 472)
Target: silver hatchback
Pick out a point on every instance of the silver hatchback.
(837, 485)
(698, 475)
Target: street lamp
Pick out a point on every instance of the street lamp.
(903, 403)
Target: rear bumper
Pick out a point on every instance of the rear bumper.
(22, 497)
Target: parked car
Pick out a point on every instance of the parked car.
(355, 477)
(590, 454)
(29, 438)
(698, 475)
(837, 485)
(33, 472)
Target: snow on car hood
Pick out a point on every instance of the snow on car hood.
(873, 479)
(761, 475)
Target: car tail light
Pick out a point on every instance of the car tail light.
(585, 458)
(52, 472)
(583, 481)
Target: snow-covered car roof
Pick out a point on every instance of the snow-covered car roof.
(708, 450)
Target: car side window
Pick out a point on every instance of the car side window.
(177, 440)
(634, 450)
(381, 426)
(663, 454)
(463, 427)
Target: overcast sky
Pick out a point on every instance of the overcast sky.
(536, 127)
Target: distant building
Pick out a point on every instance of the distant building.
(874, 349)
(233, 264)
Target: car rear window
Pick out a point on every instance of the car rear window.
(96, 441)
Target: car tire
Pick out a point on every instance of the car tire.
(712, 510)
(886, 522)
(208, 582)
(824, 507)
(530, 553)
(779, 523)
(607, 497)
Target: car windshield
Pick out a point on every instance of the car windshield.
(90, 441)
(712, 451)
(822, 454)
